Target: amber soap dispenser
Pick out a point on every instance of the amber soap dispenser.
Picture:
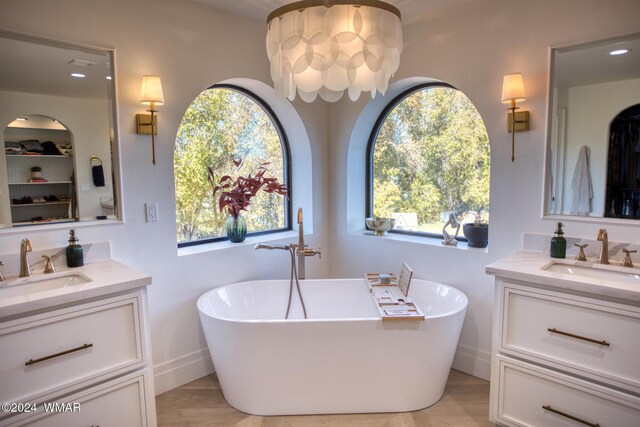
(558, 243)
(75, 257)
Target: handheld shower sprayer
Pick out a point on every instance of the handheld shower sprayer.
(294, 273)
(270, 247)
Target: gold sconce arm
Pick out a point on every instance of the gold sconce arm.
(518, 122)
(148, 125)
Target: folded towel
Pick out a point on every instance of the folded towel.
(32, 145)
(50, 148)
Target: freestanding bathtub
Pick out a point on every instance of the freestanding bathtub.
(343, 359)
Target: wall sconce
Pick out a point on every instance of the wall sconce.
(150, 94)
(513, 92)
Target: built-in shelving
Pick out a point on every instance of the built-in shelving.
(57, 169)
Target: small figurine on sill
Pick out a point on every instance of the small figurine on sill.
(448, 238)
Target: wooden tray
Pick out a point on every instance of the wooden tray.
(392, 303)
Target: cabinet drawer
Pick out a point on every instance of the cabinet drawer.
(46, 353)
(579, 335)
(531, 398)
(116, 404)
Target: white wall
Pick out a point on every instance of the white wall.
(472, 47)
(590, 111)
(192, 47)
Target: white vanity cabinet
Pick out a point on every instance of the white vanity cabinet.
(80, 365)
(563, 357)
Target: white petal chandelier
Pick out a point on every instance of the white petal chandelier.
(324, 47)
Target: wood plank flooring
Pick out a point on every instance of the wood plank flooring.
(200, 403)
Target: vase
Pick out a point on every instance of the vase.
(477, 234)
(236, 228)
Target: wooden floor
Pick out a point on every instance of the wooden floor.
(200, 403)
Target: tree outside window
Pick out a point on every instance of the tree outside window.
(223, 123)
(429, 157)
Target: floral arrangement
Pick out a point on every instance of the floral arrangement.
(236, 195)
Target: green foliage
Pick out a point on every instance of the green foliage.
(431, 157)
(221, 124)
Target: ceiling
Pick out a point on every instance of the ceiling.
(29, 66)
(591, 63)
(259, 9)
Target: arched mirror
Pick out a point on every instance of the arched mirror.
(57, 115)
(592, 168)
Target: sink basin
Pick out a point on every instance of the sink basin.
(596, 272)
(31, 285)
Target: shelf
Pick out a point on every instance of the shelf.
(40, 183)
(47, 221)
(40, 204)
(37, 156)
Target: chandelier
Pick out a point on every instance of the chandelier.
(327, 47)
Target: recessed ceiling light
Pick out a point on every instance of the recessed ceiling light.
(108, 77)
(78, 75)
(22, 119)
(619, 51)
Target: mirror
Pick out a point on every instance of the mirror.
(593, 168)
(55, 120)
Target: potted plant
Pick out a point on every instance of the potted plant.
(236, 194)
(477, 232)
(36, 172)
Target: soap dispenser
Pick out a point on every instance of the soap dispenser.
(558, 243)
(75, 257)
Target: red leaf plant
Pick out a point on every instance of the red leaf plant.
(236, 195)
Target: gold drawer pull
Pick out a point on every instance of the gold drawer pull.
(52, 356)
(601, 342)
(555, 411)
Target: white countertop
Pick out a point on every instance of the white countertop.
(528, 266)
(106, 276)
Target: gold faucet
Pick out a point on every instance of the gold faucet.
(626, 262)
(604, 251)
(25, 248)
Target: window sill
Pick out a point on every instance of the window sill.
(419, 240)
(291, 235)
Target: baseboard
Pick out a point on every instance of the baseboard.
(181, 370)
(473, 362)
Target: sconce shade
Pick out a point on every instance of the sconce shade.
(151, 91)
(512, 88)
(327, 47)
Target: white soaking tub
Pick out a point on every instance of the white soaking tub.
(343, 359)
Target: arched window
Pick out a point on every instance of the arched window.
(223, 123)
(428, 157)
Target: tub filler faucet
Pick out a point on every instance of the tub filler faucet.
(302, 250)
